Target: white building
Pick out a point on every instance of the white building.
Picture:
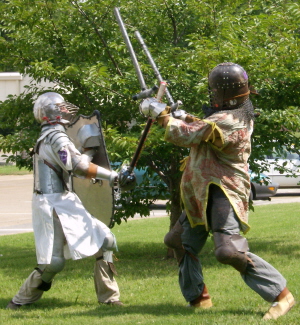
(13, 83)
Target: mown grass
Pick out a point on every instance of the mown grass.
(13, 170)
(149, 282)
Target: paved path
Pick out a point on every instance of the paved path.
(15, 203)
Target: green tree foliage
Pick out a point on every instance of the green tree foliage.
(78, 45)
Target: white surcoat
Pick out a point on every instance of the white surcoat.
(84, 234)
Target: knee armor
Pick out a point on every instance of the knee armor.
(231, 249)
(109, 242)
(50, 270)
(173, 240)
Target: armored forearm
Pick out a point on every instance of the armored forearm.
(84, 168)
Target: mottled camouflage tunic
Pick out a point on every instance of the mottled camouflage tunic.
(222, 160)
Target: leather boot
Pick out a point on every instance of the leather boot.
(203, 301)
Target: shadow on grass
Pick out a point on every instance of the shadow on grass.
(276, 246)
(140, 268)
(163, 309)
(44, 303)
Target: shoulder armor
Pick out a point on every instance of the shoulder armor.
(58, 140)
(55, 136)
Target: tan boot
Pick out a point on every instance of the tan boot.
(283, 303)
(203, 301)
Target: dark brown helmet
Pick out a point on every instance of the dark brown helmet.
(228, 86)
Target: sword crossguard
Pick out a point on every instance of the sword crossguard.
(145, 93)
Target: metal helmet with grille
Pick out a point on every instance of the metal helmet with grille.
(228, 86)
(51, 108)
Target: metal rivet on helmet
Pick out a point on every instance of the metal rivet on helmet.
(227, 81)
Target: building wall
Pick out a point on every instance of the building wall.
(13, 83)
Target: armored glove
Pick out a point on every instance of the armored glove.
(151, 107)
(127, 179)
(113, 178)
(103, 173)
(179, 114)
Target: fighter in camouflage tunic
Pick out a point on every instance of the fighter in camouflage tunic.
(215, 190)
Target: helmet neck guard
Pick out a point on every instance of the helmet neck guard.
(243, 112)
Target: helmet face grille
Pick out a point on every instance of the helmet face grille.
(67, 110)
(51, 108)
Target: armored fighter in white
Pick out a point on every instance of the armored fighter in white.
(63, 228)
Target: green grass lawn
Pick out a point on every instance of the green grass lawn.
(149, 282)
(13, 170)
